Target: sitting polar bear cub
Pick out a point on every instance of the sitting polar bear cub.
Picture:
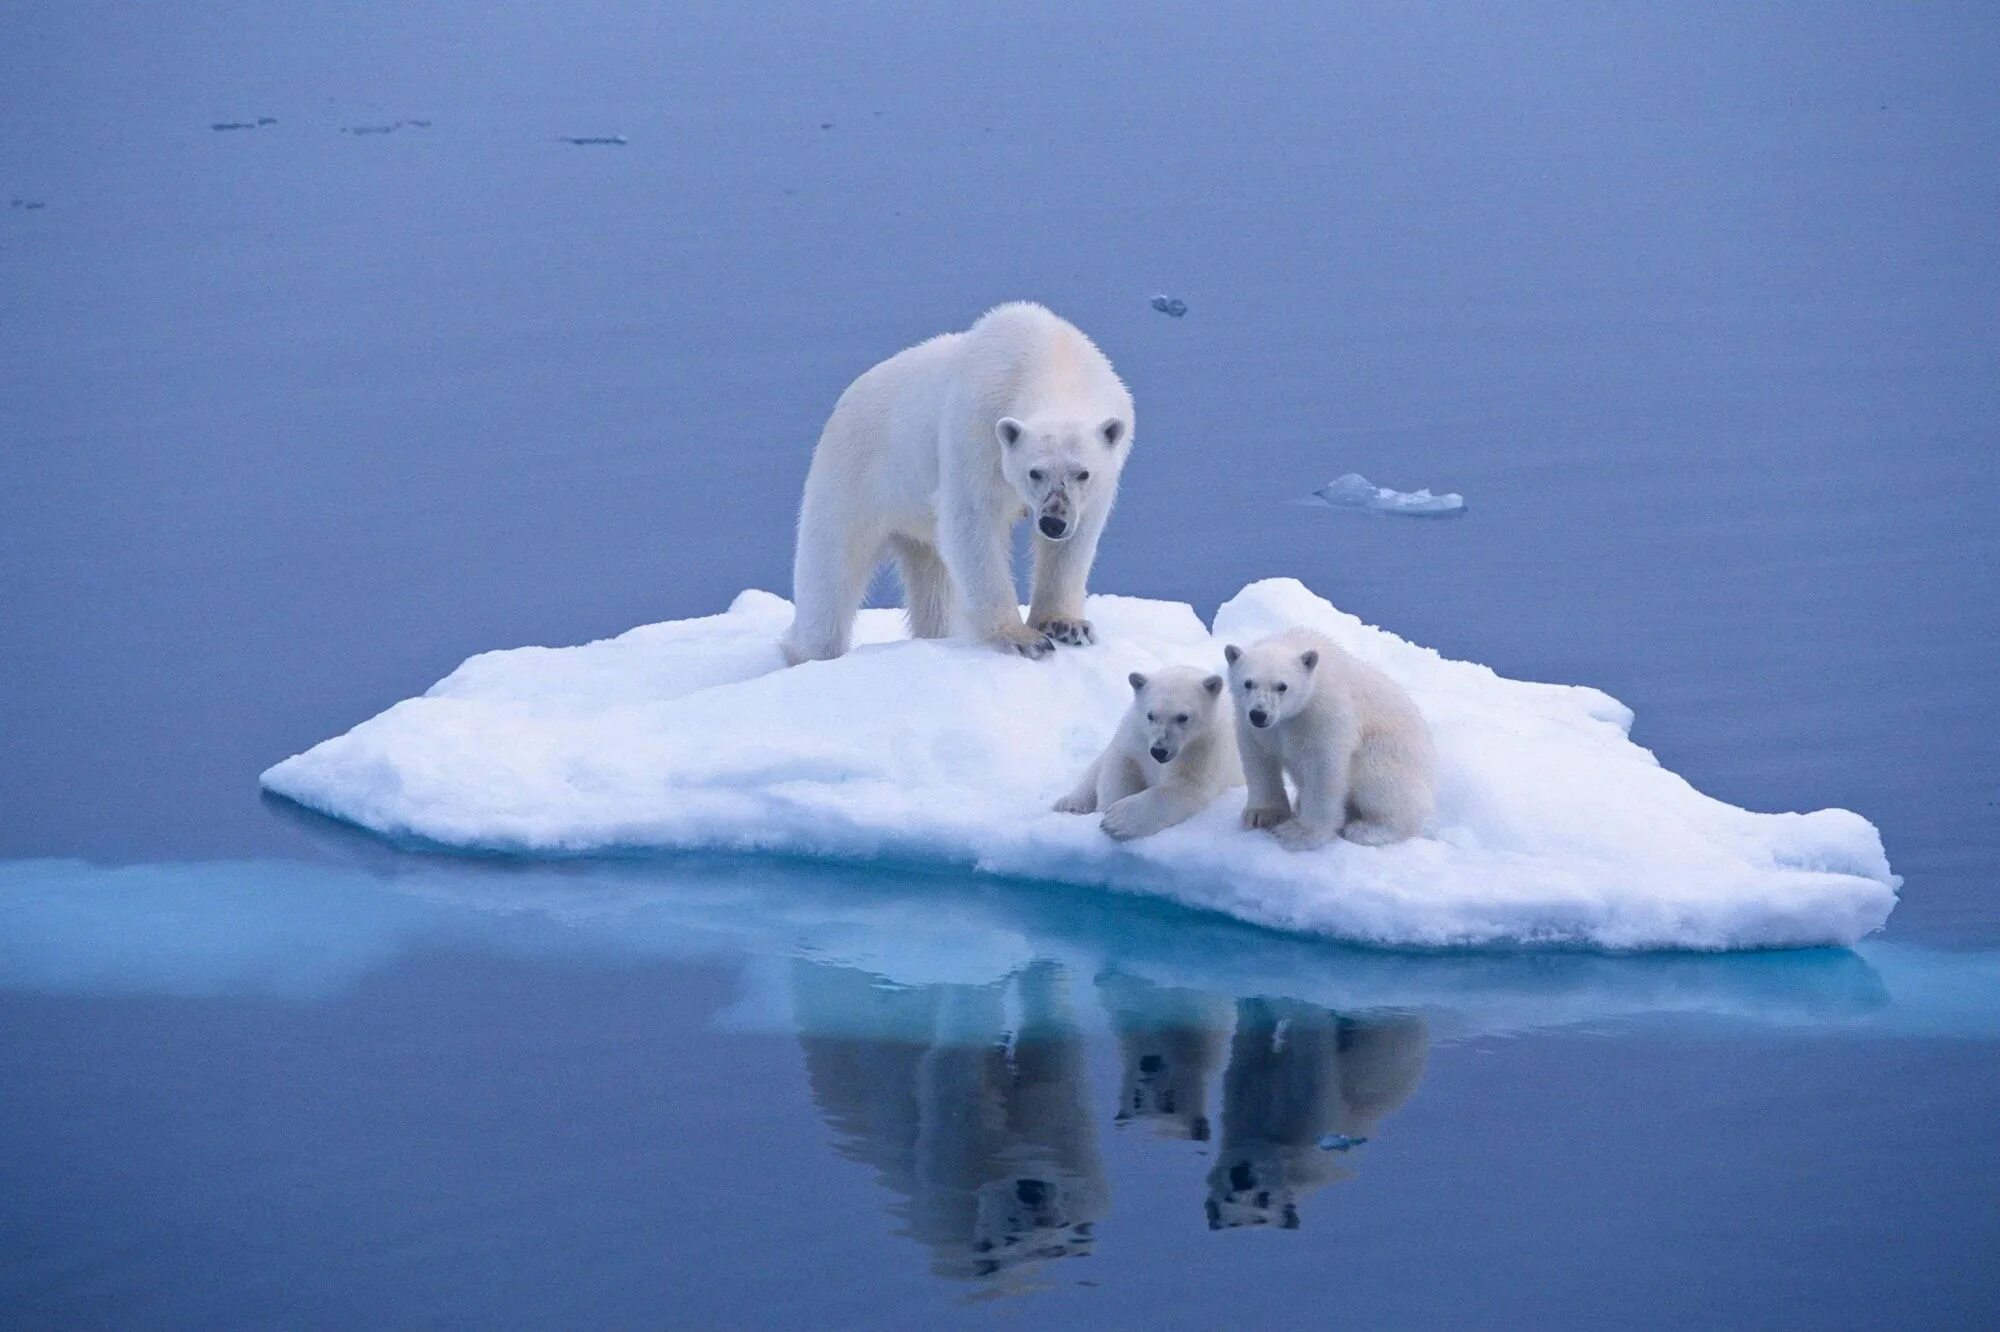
(934, 455)
(1171, 755)
(1354, 744)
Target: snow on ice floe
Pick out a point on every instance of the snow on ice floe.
(1552, 827)
(1355, 491)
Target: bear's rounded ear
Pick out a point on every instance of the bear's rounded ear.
(1231, 653)
(1213, 684)
(1310, 658)
(1009, 431)
(1138, 681)
(1111, 431)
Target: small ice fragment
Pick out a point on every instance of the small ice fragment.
(615, 140)
(1339, 1142)
(266, 120)
(1170, 305)
(375, 129)
(233, 124)
(1355, 491)
(26, 203)
(418, 124)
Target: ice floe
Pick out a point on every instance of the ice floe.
(1553, 828)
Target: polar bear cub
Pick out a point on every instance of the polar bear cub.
(1171, 755)
(1353, 743)
(934, 455)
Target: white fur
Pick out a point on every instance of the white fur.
(1353, 743)
(934, 455)
(1177, 711)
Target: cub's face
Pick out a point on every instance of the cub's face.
(1176, 706)
(1248, 1192)
(1269, 682)
(1060, 468)
(1023, 1218)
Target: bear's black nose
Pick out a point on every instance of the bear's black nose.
(1159, 753)
(1052, 526)
(1259, 717)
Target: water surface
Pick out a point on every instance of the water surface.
(1697, 307)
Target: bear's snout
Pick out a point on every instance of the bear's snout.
(1259, 717)
(1159, 753)
(1054, 528)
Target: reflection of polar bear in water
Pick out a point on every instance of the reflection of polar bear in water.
(1171, 1042)
(1296, 1073)
(988, 1141)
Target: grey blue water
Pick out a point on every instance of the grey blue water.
(1697, 306)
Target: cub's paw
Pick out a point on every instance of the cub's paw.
(1296, 836)
(1070, 633)
(1122, 822)
(1074, 804)
(1265, 816)
(1363, 833)
(1030, 643)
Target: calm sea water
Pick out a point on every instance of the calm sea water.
(1699, 308)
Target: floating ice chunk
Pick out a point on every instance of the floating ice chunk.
(1355, 491)
(1170, 305)
(1339, 1142)
(1552, 827)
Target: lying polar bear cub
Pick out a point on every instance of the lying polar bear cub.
(1354, 744)
(1171, 755)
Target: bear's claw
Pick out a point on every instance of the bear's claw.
(1267, 817)
(1122, 824)
(1076, 805)
(1072, 633)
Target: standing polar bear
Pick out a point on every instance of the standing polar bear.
(1354, 744)
(934, 455)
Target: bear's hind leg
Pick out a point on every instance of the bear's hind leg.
(1390, 796)
(927, 594)
(829, 581)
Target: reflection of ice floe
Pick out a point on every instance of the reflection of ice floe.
(301, 930)
(1552, 828)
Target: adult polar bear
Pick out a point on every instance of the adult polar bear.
(934, 455)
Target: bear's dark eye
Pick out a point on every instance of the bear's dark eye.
(1248, 685)
(1282, 687)
(1151, 717)
(1083, 476)
(1034, 473)
(1182, 719)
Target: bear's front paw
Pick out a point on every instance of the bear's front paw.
(1122, 822)
(1265, 816)
(1030, 643)
(1076, 804)
(1296, 836)
(1071, 633)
